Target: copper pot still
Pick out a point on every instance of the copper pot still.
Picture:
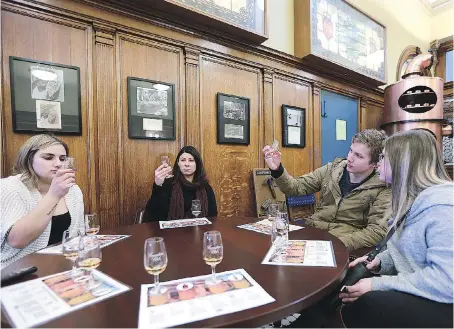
(416, 101)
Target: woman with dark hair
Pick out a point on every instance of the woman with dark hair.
(172, 197)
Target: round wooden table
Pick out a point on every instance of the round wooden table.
(294, 288)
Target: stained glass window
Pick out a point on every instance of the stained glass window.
(344, 35)
(248, 14)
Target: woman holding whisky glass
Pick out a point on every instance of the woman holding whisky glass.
(40, 201)
(172, 197)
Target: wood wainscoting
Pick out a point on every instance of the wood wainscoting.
(116, 173)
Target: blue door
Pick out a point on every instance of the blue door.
(344, 110)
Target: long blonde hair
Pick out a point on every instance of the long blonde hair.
(416, 164)
(24, 161)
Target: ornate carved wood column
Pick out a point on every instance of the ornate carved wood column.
(105, 124)
(192, 83)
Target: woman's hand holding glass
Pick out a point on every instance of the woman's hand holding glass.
(161, 173)
(62, 182)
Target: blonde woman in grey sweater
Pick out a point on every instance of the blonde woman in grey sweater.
(40, 201)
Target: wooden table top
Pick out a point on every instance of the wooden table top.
(294, 288)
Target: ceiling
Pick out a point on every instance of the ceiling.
(435, 6)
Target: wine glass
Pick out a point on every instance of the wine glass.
(155, 258)
(90, 256)
(196, 208)
(70, 245)
(273, 209)
(92, 224)
(279, 230)
(213, 251)
(166, 160)
(69, 163)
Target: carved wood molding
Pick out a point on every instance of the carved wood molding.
(230, 63)
(292, 80)
(104, 34)
(268, 76)
(192, 56)
(44, 16)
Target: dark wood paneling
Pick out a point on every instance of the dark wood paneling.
(54, 40)
(139, 158)
(371, 114)
(293, 92)
(106, 159)
(229, 167)
(116, 173)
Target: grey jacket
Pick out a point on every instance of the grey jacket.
(419, 259)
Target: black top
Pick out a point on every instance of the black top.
(60, 223)
(158, 206)
(346, 186)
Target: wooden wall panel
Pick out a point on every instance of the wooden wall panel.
(371, 115)
(293, 92)
(106, 123)
(139, 158)
(116, 173)
(54, 40)
(229, 167)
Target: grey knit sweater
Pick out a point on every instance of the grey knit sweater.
(419, 261)
(16, 201)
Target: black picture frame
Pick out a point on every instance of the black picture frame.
(233, 119)
(45, 97)
(293, 120)
(146, 120)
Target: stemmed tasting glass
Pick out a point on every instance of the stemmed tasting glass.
(213, 251)
(92, 224)
(155, 258)
(279, 230)
(70, 245)
(166, 160)
(90, 256)
(273, 209)
(196, 208)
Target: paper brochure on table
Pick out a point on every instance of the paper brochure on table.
(193, 299)
(184, 222)
(264, 226)
(105, 240)
(38, 301)
(302, 253)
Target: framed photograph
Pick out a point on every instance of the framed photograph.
(293, 126)
(45, 97)
(233, 119)
(151, 109)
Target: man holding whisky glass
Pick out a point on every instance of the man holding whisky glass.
(353, 200)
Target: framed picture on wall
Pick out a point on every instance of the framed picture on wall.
(151, 109)
(45, 97)
(233, 119)
(293, 126)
